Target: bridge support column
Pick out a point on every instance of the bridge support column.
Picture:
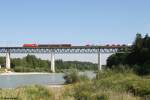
(8, 60)
(53, 62)
(99, 61)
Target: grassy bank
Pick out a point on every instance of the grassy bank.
(34, 92)
(110, 85)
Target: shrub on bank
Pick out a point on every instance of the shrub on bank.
(72, 76)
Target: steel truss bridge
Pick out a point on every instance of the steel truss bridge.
(60, 50)
(73, 49)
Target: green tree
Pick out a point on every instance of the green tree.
(139, 56)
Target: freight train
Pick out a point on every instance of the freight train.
(67, 45)
(46, 45)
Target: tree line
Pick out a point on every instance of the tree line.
(31, 63)
(138, 59)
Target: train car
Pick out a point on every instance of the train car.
(30, 45)
(113, 45)
(107, 45)
(54, 45)
(87, 45)
(90, 45)
(48, 45)
(65, 45)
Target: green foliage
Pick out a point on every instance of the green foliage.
(30, 64)
(116, 59)
(122, 69)
(2, 60)
(139, 56)
(72, 76)
(138, 43)
(112, 85)
(60, 65)
(128, 82)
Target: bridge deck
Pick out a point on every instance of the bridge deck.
(72, 49)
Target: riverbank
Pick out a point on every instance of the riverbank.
(108, 85)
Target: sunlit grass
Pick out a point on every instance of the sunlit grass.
(34, 92)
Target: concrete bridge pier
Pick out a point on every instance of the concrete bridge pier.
(99, 61)
(52, 62)
(8, 60)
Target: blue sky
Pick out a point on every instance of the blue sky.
(73, 21)
(78, 22)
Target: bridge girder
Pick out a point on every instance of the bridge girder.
(63, 50)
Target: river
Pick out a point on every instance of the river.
(17, 80)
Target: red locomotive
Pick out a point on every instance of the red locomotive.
(30, 45)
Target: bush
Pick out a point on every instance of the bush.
(72, 76)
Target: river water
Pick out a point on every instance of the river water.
(13, 81)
